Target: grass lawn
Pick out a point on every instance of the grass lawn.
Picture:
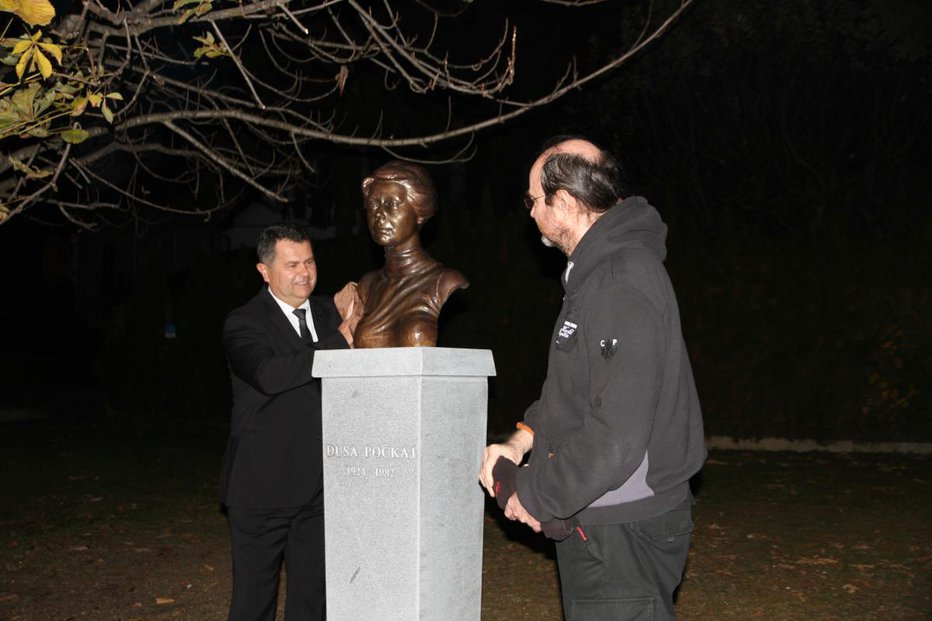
(106, 521)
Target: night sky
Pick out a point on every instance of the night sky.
(788, 149)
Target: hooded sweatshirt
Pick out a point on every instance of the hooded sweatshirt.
(618, 428)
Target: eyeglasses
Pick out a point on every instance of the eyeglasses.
(530, 200)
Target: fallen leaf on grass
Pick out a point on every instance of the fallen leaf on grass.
(817, 560)
(850, 588)
(164, 600)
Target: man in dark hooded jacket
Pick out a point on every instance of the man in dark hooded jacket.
(617, 431)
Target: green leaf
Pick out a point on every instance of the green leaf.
(210, 49)
(68, 88)
(44, 99)
(106, 112)
(39, 173)
(183, 3)
(202, 8)
(78, 106)
(207, 39)
(23, 100)
(17, 164)
(75, 136)
(186, 16)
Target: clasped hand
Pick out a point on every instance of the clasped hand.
(514, 450)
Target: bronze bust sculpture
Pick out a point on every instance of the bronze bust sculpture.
(401, 301)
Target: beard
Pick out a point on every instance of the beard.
(554, 235)
(554, 243)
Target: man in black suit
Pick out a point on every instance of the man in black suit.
(271, 483)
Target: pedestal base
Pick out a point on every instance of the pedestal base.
(403, 433)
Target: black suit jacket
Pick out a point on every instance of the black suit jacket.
(273, 457)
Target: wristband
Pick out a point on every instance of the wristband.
(524, 427)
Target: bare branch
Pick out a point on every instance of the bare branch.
(239, 65)
(307, 75)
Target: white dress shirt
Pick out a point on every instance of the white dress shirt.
(288, 310)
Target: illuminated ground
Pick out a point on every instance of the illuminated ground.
(108, 522)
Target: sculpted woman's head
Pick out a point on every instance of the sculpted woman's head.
(399, 197)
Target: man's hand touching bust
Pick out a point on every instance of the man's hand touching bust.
(350, 308)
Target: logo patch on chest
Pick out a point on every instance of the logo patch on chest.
(609, 347)
(567, 330)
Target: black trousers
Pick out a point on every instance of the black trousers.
(625, 572)
(262, 539)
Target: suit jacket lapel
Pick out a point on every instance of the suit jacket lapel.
(278, 320)
(326, 319)
(318, 314)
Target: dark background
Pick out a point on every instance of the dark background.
(787, 145)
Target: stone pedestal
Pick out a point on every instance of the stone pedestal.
(403, 434)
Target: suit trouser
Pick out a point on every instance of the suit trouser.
(625, 572)
(261, 540)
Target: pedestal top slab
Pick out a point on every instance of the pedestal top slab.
(404, 361)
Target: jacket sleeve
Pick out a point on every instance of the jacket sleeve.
(248, 346)
(531, 414)
(622, 387)
(328, 333)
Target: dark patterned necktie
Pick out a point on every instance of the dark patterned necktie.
(302, 323)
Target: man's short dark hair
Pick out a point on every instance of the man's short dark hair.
(265, 250)
(598, 185)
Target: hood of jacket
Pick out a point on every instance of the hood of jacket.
(632, 223)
